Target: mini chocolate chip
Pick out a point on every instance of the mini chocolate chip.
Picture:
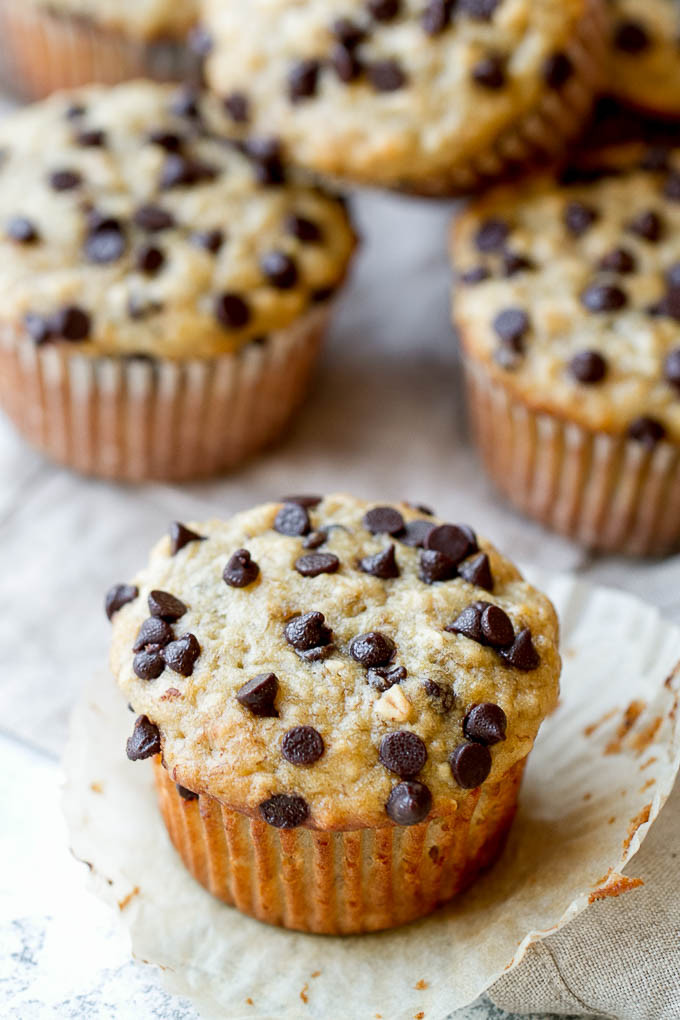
(588, 367)
(309, 502)
(403, 753)
(74, 111)
(181, 655)
(631, 37)
(383, 10)
(557, 70)
(383, 564)
(345, 63)
(153, 218)
(118, 596)
(308, 632)
(168, 140)
(315, 539)
(673, 276)
(386, 75)
(656, 158)
(579, 217)
(442, 697)
(292, 519)
(265, 154)
(480, 10)
(211, 240)
(437, 16)
(647, 225)
(71, 323)
(241, 570)
(284, 811)
(409, 803)
(511, 326)
(105, 244)
(514, 263)
(492, 235)
(153, 632)
(415, 533)
(65, 180)
(646, 431)
(497, 627)
(522, 654)
(145, 741)
(619, 260)
(672, 186)
(166, 606)
(475, 275)
(485, 723)
(303, 80)
(347, 32)
(470, 765)
(237, 106)
(317, 563)
(92, 138)
(489, 72)
(454, 541)
(383, 520)
(280, 270)
(436, 566)
(185, 794)
(180, 536)
(303, 745)
(150, 260)
(672, 368)
(372, 649)
(258, 695)
(232, 311)
(180, 171)
(185, 102)
(22, 230)
(148, 664)
(477, 571)
(603, 297)
(303, 229)
(383, 677)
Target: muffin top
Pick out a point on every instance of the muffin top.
(130, 227)
(325, 652)
(389, 91)
(646, 54)
(569, 292)
(142, 18)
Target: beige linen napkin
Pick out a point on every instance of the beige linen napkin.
(619, 959)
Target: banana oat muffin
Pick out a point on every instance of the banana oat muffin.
(163, 292)
(645, 62)
(432, 97)
(568, 307)
(340, 698)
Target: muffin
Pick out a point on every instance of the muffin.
(339, 699)
(54, 44)
(429, 97)
(645, 59)
(163, 292)
(567, 303)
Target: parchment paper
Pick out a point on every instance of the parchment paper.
(601, 770)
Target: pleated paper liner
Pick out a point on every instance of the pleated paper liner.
(607, 492)
(136, 420)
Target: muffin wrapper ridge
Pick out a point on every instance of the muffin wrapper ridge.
(134, 419)
(607, 492)
(338, 882)
(42, 51)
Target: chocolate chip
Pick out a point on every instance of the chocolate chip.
(470, 765)
(646, 431)
(180, 536)
(258, 695)
(631, 37)
(579, 217)
(232, 311)
(181, 655)
(415, 533)
(148, 664)
(150, 260)
(492, 235)
(497, 628)
(71, 323)
(514, 263)
(185, 103)
(153, 218)
(603, 297)
(38, 328)
(672, 186)
(522, 654)
(237, 106)
(619, 260)
(557, 70)
(145, 741)
(386, 75)
(315, 539)
(511, 326)
(672, 368)
(303, 80)
(265, 154)
(383, 10)
(303, 229)
(22, 230)
(292, 519)
(307, 501)
(673, 276)
(279, 269)
(409, 803)
(65, 180)
(241, 570)
(168, 140)
(383, 564)
(180, 171)
(454, 541)
(303, 745)
(477, 571)
(211, 240)
(347, 32)
(475, 275)
(105, 242)
(317, 563)
(588, 367)
(74, 111)
(485, 723)
(489, 72)
(442, 697)
(480, 10)
(345, 63)
(308, 632)
(185, 794)
(383, 677)
(437, 16)
(153, 632)
(436, 566)
(166, 606)
(403, 753)
(284, 811)
(383, 520)
(469, 622)
(647, 225)
(372, 649)
(92, 138)
(656, 158)
(118, 596)
(316, 654)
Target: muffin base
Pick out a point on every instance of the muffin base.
(133, 419)
(42, 51)
(338, 882)
(605, 491)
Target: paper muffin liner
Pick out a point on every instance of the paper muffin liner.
(605, 491)
(42, 50)
(137, 419)
(338, 882)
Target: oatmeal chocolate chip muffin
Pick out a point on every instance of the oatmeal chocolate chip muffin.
(340, 698)
(645, 60)
(163, 293)
(568, 306)
(424, 95)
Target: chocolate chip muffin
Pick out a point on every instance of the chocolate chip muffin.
(432, 97)
(568, 307)
(645, 61)
(54, 44)
(163, 292)
(339, 698)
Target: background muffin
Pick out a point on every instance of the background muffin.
(344, 691)
(645, 62)
(163, 293)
